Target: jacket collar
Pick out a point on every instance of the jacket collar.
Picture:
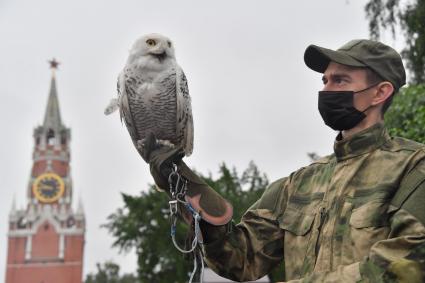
(360, 143)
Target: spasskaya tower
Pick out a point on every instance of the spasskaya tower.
(46, 239)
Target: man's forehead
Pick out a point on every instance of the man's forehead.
(335, 68)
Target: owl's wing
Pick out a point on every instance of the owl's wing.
(124, 90)
(114, 104)
(184, 112)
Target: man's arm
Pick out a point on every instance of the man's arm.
(254, 246)
(249, 250)
(239, 255)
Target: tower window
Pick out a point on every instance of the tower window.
(22, 223)
(50, 137)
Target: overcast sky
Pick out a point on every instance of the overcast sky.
(252, 96)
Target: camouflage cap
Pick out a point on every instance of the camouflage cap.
(381, 58)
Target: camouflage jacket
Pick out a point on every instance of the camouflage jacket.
(357, 215)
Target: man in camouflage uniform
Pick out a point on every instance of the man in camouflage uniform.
(357, 215)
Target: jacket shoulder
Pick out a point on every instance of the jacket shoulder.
(402, 144)
(271, 194)
(313, 167)
(269, 205)
(324, 160)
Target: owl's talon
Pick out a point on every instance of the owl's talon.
(141, 143)
(166, 143)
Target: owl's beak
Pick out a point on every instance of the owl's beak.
(160, 56)
(160, 51)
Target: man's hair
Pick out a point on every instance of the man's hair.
(373, 78)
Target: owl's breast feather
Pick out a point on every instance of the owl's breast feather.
(148, 89)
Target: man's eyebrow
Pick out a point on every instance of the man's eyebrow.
(336, 76)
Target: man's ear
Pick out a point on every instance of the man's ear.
(384, 91)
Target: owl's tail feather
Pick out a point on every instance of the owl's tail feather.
(112, 106)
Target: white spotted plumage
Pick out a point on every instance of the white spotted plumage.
(153, 95)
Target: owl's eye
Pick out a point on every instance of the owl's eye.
(151, 42)
(169, 43)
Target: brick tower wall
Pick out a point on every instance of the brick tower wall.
(45, 266)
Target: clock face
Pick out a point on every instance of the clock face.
(48, 187)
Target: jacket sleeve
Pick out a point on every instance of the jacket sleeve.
(250, 249)
(400, 257)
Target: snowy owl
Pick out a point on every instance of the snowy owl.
(153, 95)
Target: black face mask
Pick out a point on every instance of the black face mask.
(338, 111)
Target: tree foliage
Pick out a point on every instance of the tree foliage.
(143, 224)
(390, 14)
(109, 273)
(406, 116)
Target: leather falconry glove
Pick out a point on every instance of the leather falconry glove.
(212, 207)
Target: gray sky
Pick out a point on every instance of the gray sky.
(252, 96)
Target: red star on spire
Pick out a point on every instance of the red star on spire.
(53, 64)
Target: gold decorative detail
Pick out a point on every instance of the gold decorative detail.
(48, 187)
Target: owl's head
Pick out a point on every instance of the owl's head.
(153, 45)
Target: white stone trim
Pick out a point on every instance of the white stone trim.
(44, 264)
(26, 232)
(28, 247)
(61, 246)
(46, 215)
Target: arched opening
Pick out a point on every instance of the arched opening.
(50, 137)
(45, 242)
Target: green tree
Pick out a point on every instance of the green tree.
(410, 18)
(109, 273)
(406, 116)
(143, 224)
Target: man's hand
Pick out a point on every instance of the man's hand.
(160, 159)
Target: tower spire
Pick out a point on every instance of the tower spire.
(13, 209)
(80, 209)
(52, 117)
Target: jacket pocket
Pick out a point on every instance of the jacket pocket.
(295, 221)
(369, 224)
(371, 214)
(297, 225)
